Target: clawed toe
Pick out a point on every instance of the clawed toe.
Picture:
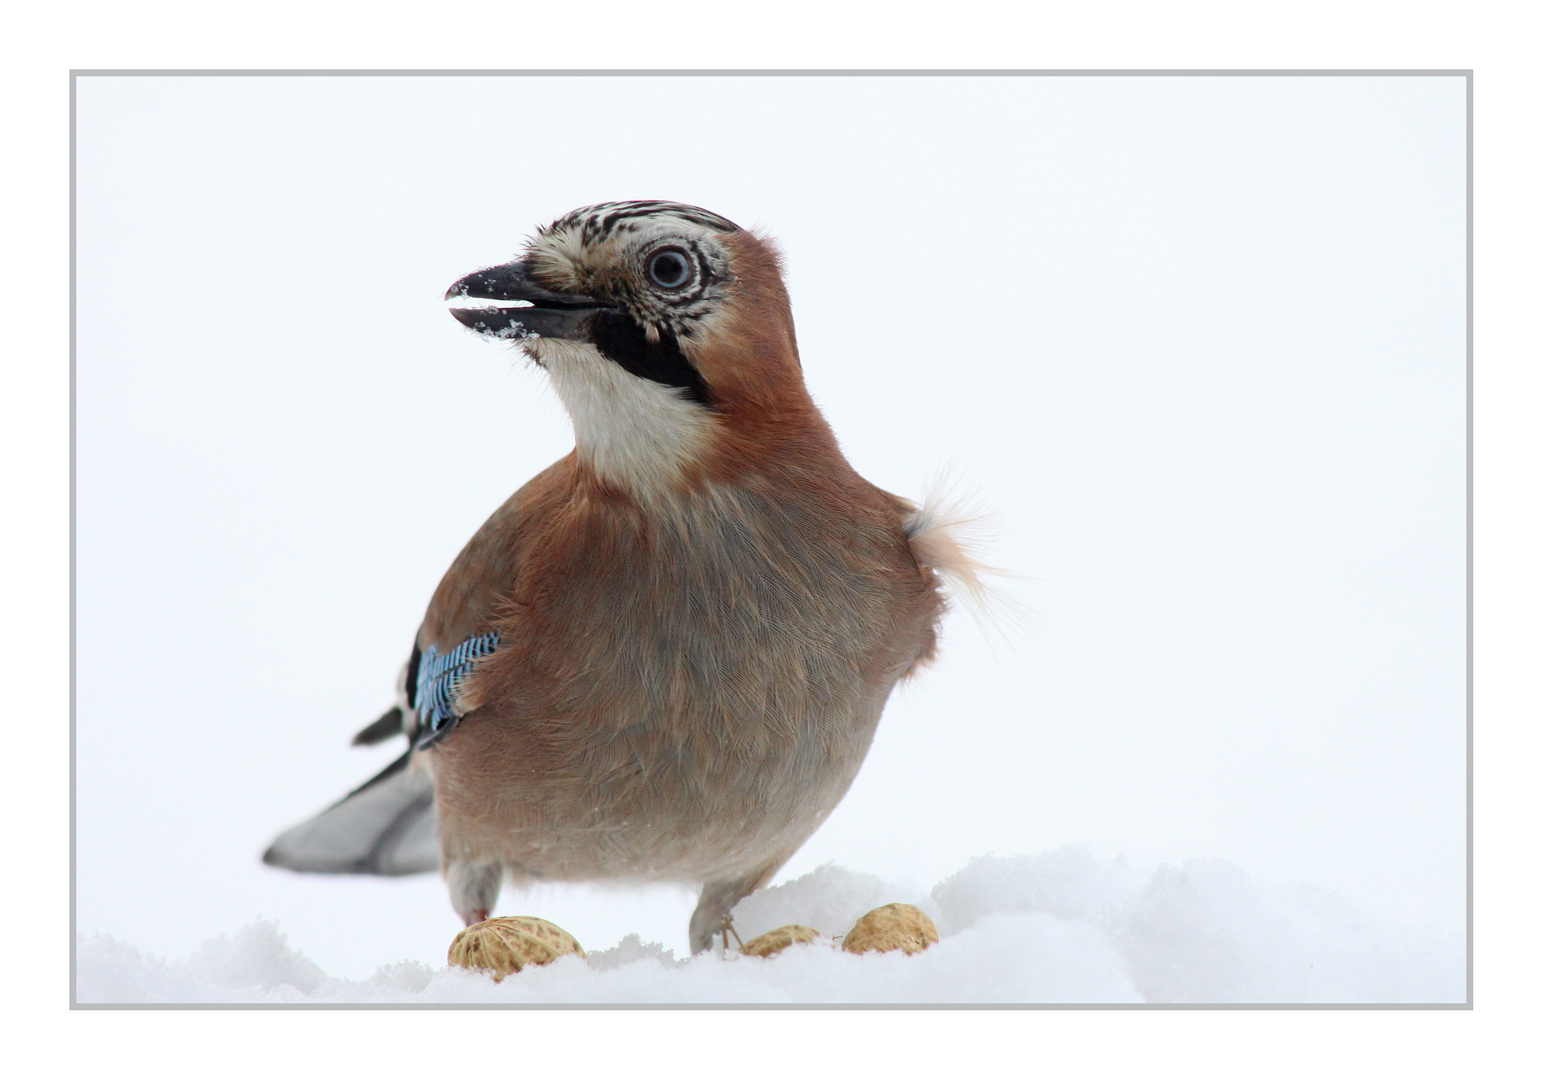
(726, 927)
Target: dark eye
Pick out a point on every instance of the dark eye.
(669, 268)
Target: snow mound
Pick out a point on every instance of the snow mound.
(1059, 927)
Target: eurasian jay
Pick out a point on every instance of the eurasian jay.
(664, 657)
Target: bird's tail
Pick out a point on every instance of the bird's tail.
(384, 826)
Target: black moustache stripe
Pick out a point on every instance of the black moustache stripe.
(622, 341)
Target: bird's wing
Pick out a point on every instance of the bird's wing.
(389, 724)
(387, 824)
(434, 685)
(458, 630)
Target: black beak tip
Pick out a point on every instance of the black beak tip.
(470, 317)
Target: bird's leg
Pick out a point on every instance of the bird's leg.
(711, 916)
(474, 888)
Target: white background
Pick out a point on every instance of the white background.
(1491, 34)
(1199, 342)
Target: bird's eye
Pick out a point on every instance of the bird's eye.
(669, 269)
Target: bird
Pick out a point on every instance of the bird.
(664, 658)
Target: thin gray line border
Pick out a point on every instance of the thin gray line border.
(75, 74)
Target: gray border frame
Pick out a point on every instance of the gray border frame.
(1465, 73)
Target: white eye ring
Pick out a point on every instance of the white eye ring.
(669, 268)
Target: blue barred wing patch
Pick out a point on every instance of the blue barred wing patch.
(439, 677)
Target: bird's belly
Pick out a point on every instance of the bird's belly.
(661, 801)
(680, 708)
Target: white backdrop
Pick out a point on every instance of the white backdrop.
(1198, 341)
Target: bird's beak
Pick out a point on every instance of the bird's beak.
(528, 309)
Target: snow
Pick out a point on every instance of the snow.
(1058, 927)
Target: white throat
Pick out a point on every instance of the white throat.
(634, 433)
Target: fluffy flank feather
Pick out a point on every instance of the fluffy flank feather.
(948, 533)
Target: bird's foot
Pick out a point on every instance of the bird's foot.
(726, 927)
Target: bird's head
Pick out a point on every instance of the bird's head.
(665, 328)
